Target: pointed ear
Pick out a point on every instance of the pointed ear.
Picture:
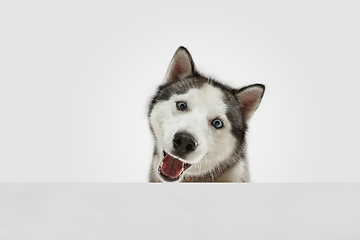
(250, 98)
(181, 65)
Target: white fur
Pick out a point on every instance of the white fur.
(203, 106)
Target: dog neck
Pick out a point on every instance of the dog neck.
(211, 175)
(208, 177)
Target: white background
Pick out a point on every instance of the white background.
(76, 78)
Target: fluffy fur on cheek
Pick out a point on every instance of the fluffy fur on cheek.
(221, 142)
(157, 118)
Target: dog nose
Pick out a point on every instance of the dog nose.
(183, 143)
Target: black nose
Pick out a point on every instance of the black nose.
(183, 143)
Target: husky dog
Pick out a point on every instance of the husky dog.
(199, 126)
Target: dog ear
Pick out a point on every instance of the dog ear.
(249, 98)
(181, 65)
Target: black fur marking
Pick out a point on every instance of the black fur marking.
(177, 87)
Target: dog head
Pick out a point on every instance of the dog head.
(197, 122)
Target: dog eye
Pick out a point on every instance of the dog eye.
(217, 123)
(181, 106)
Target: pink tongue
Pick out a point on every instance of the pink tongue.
(171, 166)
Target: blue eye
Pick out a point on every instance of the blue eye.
(181, 106)
(217, 123)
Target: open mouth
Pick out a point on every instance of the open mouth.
(172, 168)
